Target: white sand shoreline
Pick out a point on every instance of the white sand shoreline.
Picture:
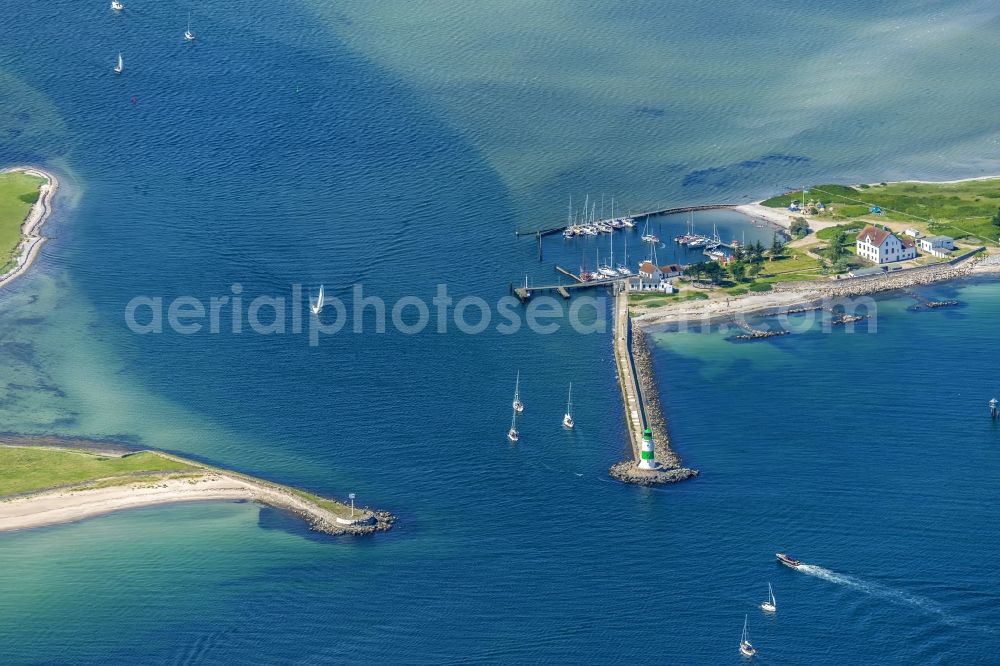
(97, 497)
(32, 240)
(69, 505)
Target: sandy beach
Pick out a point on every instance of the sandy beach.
(31, 230)
(188, 482)
(69, 505)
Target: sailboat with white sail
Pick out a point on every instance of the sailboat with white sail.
(188, 35)
(120, 67)
(771, 605)
(746, 648)
(317, 305)
(648, 237)
(513, 435)
(568, 416)
(517, 404)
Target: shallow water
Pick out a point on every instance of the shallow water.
(400, 147)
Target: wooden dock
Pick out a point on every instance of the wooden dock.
(635, 216)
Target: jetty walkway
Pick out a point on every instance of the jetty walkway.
(642, 405)
(634, 216)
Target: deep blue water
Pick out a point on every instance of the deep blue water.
(269, 153)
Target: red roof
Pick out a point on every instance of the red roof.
(647, 267)
(878, 236)
(671, 268)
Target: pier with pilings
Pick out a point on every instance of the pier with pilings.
(525, 293)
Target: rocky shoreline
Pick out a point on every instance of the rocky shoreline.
(32, 239)
(671, 469)
(791, 297)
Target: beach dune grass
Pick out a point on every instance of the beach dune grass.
(29, 469)
(18, 192)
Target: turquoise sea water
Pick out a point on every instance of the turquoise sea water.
(399, 146)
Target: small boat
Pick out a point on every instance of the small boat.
(568, 416)
(746, 649)
(624, 270)
(120, 67)
(188, 35)
(608, 272)
(318, 304)
(628, 222)
(517, 404)
(117, 6)
(590, 231)
(771, 605)
(512, 434)
(569, 232)
(604, 228)
(788, 560)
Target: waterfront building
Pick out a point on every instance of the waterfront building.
(937, 245)
(881, 246)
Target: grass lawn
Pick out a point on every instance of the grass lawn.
(960, 210)
(25, 470)
(18, 191)
(832, 232)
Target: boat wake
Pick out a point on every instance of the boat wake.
(892, 595)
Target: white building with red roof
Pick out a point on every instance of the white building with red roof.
(881, 246)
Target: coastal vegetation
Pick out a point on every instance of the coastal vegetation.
(30, 469)
(18, 192)
(964, 209)
(78, 475)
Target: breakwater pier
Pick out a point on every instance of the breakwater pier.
(635, 216)
(653, 462)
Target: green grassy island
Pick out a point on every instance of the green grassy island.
(18, 193)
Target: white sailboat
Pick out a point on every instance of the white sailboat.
(117, 6)
(568, 416)
(188, 35)
(648, 237)
(517, 404)
(512, 434)
(746, 649)
(120, 67)
(318, 304)
(771, 605)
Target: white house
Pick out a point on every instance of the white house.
(881, 246)
(649, 271)
(932, 243)
(912, 233)
(650, 278)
